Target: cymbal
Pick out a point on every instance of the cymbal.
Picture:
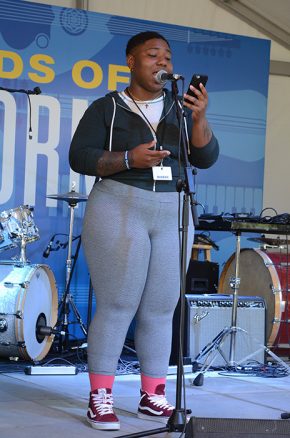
(71, 197)
(269, 241)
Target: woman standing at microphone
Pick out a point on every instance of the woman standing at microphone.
(130, 234)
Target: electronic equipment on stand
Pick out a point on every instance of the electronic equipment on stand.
(72, 198)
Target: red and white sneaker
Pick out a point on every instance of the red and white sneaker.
(100, 411)
(155, 406)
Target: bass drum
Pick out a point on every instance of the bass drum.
(28, 300)
(266, 275)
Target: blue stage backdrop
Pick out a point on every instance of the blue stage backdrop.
(75, 57)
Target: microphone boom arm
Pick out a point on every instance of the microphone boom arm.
(35, 90)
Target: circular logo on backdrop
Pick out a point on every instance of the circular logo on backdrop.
(74, 21)
(42, 40)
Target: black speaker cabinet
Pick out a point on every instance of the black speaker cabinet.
(236, 428)
(202, 277)
(207, 315)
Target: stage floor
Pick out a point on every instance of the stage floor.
(55, 406)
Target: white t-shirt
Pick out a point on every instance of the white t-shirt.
(152, 109)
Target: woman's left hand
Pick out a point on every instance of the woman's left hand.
(197, 105)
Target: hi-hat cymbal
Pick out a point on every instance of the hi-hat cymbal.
(70, 197)
(269, 241)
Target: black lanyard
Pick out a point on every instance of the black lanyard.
(146, 119)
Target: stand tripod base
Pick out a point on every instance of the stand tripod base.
(214, 348)
(176, 423)
(63, 321)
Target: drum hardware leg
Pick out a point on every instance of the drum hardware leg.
(276, 290)
(3, 325)
(5, 343)
(17, 314)
(235, 288)
(67, 299)
(22, 257)
(20, 344)
(235, 282)
(23, 285)
(9, 284)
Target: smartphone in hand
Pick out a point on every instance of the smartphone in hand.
(195, 81)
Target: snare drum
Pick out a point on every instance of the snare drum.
(264, 274)
(18, 224)
(28, 299)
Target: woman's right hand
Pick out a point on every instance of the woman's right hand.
(143, 156)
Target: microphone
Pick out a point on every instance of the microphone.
(36, 90)
(46, 252)
(162, 76)
(46, 330)
(201, 238)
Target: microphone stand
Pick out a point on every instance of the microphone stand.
(35, 90)
(178, 420)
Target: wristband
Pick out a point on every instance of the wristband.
(126, 160)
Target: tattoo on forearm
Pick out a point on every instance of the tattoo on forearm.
(110, 163)
(207, 132)
(201, 134)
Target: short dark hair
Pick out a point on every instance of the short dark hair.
(141, 38)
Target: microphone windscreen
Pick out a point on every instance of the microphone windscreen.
(161, 76)
(46, 252)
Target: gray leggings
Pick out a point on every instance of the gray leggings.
(130, 239)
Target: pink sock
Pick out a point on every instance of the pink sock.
(101, 381)
(149, 384)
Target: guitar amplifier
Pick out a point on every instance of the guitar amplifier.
(206, 316)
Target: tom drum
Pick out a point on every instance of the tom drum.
(17, 224)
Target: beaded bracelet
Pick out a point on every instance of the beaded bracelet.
(126, 160)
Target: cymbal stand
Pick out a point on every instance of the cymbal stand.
(213, 348)
(235, 284)
(67, 298)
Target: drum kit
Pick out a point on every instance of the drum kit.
(29, 309)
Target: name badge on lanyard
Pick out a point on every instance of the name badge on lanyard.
(162, 173)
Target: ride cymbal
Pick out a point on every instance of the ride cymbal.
(70, 197)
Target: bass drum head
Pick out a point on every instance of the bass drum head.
(39, 308)
(258, 277)
(28, 300)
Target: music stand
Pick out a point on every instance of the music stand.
(72, 198)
